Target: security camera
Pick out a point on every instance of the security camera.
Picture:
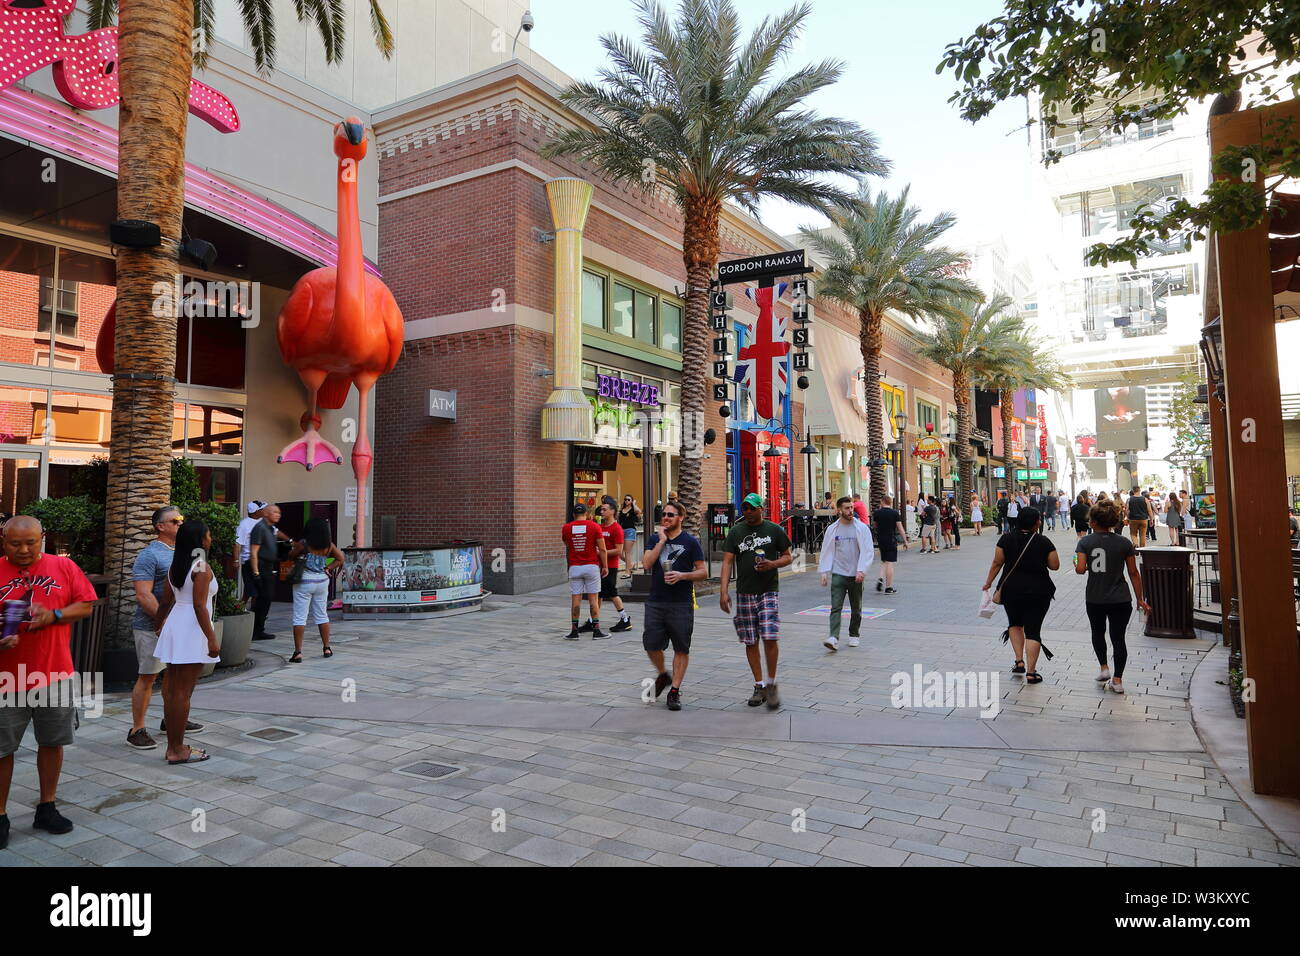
(527, 23)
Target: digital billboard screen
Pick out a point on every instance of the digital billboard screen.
(1121, 418)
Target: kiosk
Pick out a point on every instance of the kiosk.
(413, 583)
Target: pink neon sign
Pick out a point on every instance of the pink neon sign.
(85, 66)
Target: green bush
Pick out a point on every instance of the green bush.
(75, 523)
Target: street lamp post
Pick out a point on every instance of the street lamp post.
(900, 429)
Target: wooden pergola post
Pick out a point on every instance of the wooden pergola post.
(1257, 476)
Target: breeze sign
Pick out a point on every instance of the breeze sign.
(638, 393)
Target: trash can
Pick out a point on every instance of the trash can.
(1167, 585)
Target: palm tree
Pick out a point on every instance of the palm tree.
(880, 259)
(1025, 363)
(698, 114)
(978, 335)
(159, 43)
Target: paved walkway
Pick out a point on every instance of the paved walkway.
(556, 760)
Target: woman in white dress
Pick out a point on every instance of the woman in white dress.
(976, 512)
(187, 641)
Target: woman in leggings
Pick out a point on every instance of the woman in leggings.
(1104, 556)
(1026, 560)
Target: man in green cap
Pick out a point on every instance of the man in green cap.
(757, 549)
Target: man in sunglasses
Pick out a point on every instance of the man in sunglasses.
(757, 549)
(149, 575)
(675, 561)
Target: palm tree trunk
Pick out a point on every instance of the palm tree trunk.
(872, 337)
(700, 244)
(965, 459)
(155, 62)
(1009, 472)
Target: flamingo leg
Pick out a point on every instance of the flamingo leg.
(362, 457)
(310, 450)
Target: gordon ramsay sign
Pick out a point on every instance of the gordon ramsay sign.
(789, 263)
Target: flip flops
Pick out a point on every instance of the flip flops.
(196, 756)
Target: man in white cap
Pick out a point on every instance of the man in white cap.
(242, 533)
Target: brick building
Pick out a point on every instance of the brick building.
(465, 245)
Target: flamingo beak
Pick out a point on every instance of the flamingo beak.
(355, 132)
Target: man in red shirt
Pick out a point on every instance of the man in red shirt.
(588, 563)
(860, 509)
(612, 532)
(36, 676)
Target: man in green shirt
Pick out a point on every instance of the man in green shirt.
(757, 549)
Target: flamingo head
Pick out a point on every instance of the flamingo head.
(350, 139)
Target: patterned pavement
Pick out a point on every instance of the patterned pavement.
(558, 761)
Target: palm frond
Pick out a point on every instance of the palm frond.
(100, 14)
(205, 23)
(258, 17)
(383, 33)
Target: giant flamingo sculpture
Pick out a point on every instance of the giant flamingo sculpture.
(339, 327)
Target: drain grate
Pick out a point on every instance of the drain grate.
(274, 734)
(430, 770)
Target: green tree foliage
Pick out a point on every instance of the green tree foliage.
(1115, 64)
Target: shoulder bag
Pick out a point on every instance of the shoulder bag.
(997, 595)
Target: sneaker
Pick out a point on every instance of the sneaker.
(265, 636)
(1113, 687)
(598, 635)
(623, 625)
(586, 628)
(759, 695)
(4, 831)
(853, 641)
(674, 699)
(190, 727)
(1103, 677)
(572, 635)
(831, 644)
(662, 681)
(880, 583)
(891, 590)
(49, 818)
(140, 740)
(773, 698)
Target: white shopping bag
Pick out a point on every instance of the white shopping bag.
(987, 607)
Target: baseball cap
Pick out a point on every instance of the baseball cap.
(753, 500)
(255, 506)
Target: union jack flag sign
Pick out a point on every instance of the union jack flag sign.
(764, 364)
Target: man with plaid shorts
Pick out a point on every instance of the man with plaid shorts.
(757, 549)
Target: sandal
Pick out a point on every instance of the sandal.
(1033, 677)
(1019, 667)
(328, 652)
(195, 756)
(296, 658)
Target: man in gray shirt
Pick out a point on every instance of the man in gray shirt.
(263, 554)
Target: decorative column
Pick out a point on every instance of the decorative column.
(567, 414)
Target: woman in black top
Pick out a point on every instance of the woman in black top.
(629, 519)
(1027, 560)
(1079, 514)
(1104, 556)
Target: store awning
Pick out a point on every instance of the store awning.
(834, 403)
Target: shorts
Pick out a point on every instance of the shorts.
(668, 623)
(609, 585)
(146, 642)
(927, 531)
(584, 579)
(52, 724)
(888, 553)
(310, 596)
(629, 534)
(757, 616)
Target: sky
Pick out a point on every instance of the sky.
(889, 51)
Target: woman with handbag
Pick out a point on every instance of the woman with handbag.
(311, 583)
(1025, 591)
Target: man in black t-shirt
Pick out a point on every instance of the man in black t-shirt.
(889, 525)
(675, 561)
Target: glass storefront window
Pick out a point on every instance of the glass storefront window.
(670, 332)
(20, 482)
(620, 320)
(24, 269)
(87, 288)
(218, 483)
(593, 300)
(588, 375)
(76, 418)
(215, 430)
(644, 318)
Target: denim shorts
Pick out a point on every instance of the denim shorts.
(310, 596)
